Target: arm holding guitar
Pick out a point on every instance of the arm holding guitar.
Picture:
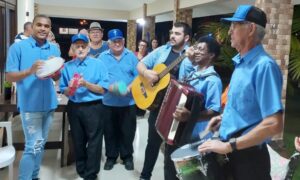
(150, 75)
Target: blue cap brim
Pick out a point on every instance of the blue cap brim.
(79, 39)
(232, 19)
(116, 37)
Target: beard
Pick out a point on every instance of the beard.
(178, 45)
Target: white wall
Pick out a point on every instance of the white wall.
(162, 9)
(83, 13)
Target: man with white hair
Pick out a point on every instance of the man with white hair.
(253, 113)
(119, 106)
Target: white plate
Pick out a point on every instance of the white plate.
(50, 67)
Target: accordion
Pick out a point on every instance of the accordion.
(178, 94)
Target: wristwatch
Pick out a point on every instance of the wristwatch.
(232, 142)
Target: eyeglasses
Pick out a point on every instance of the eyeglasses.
(236, 24)
(96, 32)
(82, 46)
(142, 45)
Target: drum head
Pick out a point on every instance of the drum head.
(50, 67)
(185, 152)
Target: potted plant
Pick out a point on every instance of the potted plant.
(7, 90)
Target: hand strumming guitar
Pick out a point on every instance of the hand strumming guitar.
(151, 76)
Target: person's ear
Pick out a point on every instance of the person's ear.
(186, 38)
(252, 29)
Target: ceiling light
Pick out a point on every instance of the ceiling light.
(141, 21)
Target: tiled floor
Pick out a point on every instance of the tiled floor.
(51, 169)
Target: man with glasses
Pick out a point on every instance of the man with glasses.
(180, 35)
(253, 113)
(206, 81)
(84, 80)
(120, 112)
(97, 45)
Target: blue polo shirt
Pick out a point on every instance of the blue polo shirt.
(34, 95)
(92, 71)
(160, 55)
(96, 52)
(119, 70)
(254, 94)
(209, 84)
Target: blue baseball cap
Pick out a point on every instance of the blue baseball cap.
(248, 13)
(80, 37)
(115, 34)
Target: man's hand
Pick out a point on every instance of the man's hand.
(190, 53)
(37, 65)
(151, 76)
(214, 124)
(82, 82)
(181, 114)
(216, 146)
(297, 143)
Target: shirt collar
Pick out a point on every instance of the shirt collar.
(204, 72)
(78, 62)
(168, 46)
(34, 43)
(249, 56)
(125, 52)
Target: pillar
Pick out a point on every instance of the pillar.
(278, 35)
(131, 35)
(182, 15)
(25, 11)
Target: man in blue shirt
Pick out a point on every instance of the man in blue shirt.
(253, 113)
(166, 54)
(120, 112)
(85, 109)
(27, 32)
(36, 97)
(97, 44)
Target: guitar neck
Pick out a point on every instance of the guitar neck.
(171, 66)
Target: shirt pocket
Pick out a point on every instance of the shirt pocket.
(243, 100)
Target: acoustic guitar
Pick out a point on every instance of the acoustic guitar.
(144, 93)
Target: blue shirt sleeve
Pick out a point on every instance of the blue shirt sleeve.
(135, 62)
(13, 59)
(213, 96)
(151, 58)
(268, 84)
(186, 67)
(103, 82)
(64, 80)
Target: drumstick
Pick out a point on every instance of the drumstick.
(204, 133)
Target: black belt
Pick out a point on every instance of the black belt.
(99, 101)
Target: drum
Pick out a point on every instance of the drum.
(50, 67)
(190, 165)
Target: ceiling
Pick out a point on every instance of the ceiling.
(123, 10)
(123, 5)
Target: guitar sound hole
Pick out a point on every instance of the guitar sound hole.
(143, 90)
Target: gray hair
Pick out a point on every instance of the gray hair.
(260, 32)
